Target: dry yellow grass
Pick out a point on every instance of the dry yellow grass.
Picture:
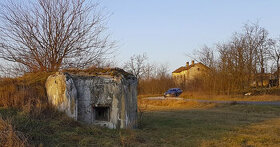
(264, 133)
(9, 137)
(148, 95)
(167, 104)
(200, 96)
(20, 91)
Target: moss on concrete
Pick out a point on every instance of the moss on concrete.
(99, 71)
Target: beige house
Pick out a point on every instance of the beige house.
(189, 72)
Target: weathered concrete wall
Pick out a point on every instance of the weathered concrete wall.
(62, 94)
(119, 94)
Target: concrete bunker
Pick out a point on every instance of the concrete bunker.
(106, 97)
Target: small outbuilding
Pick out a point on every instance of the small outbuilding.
(106, 97)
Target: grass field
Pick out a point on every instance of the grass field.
(263, 97)
(201, 96)
(192, 125)
(224, 125)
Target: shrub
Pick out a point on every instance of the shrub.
(26, 93)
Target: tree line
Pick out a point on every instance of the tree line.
(152, 78)
(249, 56)
(248, 60)
(46, 35)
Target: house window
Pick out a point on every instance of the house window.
(102, 113)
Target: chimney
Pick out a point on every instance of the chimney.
(192, 62)
(187, 64)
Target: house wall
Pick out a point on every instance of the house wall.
(190, 74)
(117, 93)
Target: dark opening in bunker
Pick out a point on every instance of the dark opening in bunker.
(102, 113)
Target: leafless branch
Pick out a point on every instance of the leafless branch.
(47, 35)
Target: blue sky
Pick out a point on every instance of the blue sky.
(168, 29)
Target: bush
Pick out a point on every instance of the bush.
(26, 93)
(157, 85)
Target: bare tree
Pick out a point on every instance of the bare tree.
(136, 65)
(241, 61)
(206, 56)
(256, 42)
(149, 71)
(162, 71)
(46, 35)
(156, 83)
(274, 53)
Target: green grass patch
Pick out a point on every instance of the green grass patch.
(213, 127)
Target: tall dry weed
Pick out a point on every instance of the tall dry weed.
(9, 137)
(26, 93)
